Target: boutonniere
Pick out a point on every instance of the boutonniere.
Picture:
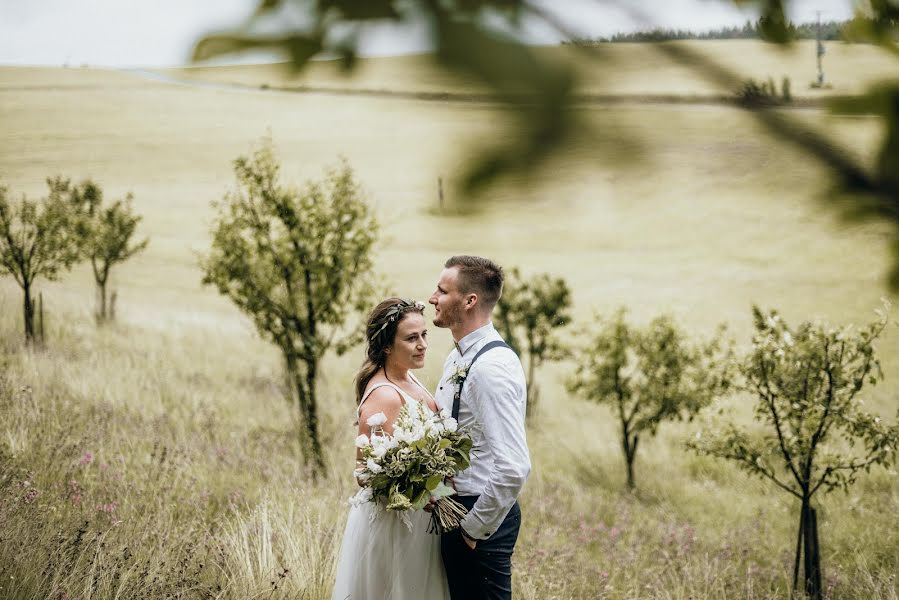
(459, 375)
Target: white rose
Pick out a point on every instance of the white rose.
(377, 419)
(434, 429)
(451, 425)
(362, 441)
(373, 466)
(409, 435)
(417, 433)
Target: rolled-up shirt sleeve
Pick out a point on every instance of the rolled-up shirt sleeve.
(497, 394)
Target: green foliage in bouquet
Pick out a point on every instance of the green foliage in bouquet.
(404, 471)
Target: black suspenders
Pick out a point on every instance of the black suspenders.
(458, 396)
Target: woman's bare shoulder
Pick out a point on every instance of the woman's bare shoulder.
(382, 398)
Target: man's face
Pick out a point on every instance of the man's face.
(448, 301)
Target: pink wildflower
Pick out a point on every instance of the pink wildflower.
(74, 492)
(108, 508)
(87, 459)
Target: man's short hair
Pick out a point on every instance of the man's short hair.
(480, 276)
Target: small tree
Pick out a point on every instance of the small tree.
(785, 90)
(298, 262)
(806, 382)
(37, 239)
(107, 235)
(529, 313)
(649, 375)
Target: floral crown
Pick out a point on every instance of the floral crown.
(393, 313)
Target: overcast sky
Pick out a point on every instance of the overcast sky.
(122, 33)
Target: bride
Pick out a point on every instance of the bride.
(380, 557)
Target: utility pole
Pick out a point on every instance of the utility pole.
(820, 51)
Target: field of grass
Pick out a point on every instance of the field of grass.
(155, 458)
(605, 69)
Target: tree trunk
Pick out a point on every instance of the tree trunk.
(312, 419)
(306, 404)
(798, 556)
(629, 445)
(812, 558)
(297, 386)
(533, 390)
(40, 314)
(101, 287)
(807, 551)
(29, 314)
(104, 307)
(533, 397)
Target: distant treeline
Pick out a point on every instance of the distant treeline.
(830, 30)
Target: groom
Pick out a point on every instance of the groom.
(490, 399)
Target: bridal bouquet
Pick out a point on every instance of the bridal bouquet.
(405, 470)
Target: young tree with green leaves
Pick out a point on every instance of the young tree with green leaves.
(108, 233)
(806, 382)
(529, 313)
(649, 375)
(298, 262)
(37, 239)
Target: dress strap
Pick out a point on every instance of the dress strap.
(403, 394)
(421, 385)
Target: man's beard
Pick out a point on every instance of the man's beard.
(447, 317)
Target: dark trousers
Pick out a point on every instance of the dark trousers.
(485, 572)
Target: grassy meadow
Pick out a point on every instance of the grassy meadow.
(606, 69)
(156, 457)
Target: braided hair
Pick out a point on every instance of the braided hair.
(380, 332)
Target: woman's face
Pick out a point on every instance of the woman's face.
(411, 342)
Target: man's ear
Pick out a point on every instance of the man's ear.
(471, 302)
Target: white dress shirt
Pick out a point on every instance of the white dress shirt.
(491, 410)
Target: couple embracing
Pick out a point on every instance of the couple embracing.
(383, 559)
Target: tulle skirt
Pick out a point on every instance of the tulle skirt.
(382, 559)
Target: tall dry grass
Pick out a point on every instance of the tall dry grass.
(136, 463)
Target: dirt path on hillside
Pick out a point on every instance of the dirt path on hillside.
(479, 98)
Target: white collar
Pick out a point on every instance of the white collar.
(474, 337)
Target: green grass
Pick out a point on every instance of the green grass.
(203, 493)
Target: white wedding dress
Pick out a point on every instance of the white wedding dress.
(382, 559)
